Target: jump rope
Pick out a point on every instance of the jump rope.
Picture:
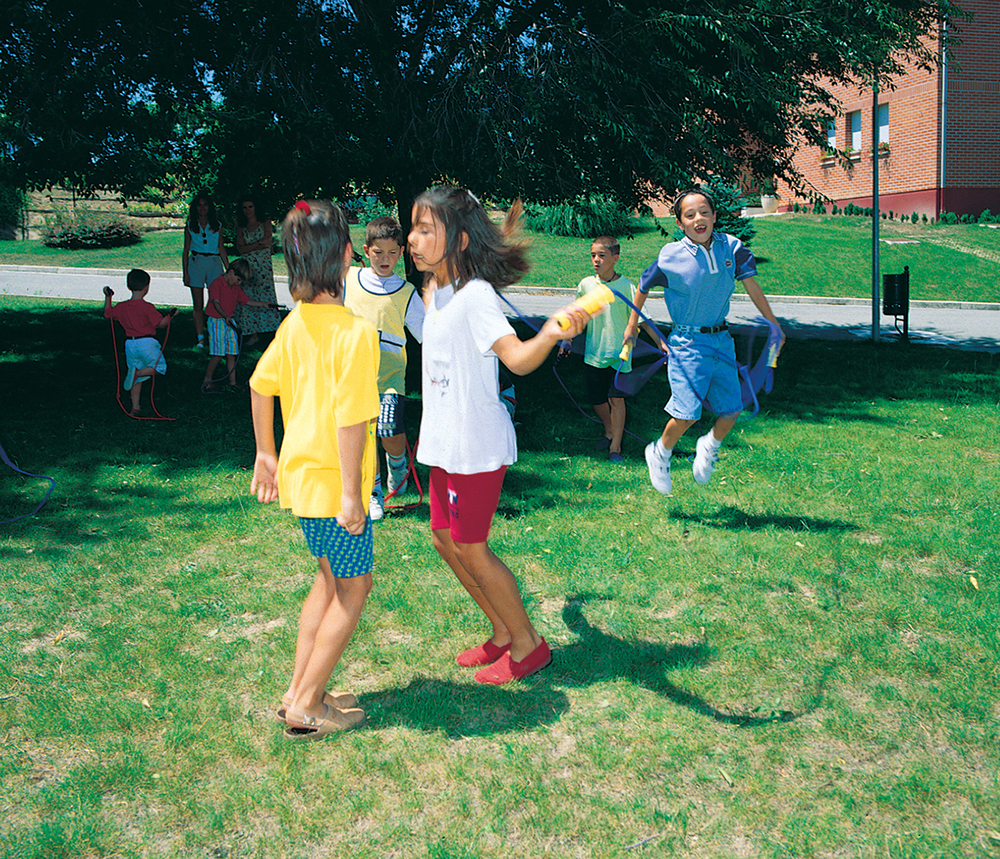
(41, 504)
(752, 379)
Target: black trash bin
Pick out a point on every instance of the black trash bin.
(896, 298)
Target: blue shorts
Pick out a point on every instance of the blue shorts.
(390, 416)
(349, 555)
(702, 372)
(221, 338)
(142, 352)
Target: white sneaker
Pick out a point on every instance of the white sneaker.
(396, 480)
(705, 456)
(375, 509)
(659, 469)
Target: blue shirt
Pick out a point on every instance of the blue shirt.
(698, 282)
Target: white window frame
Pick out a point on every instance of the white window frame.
(854, 129)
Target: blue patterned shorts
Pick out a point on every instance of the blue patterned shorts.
(349, 555)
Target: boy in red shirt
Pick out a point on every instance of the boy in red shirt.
(143, 353)
(224, 294)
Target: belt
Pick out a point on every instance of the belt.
(200, 254)
(143, 337)
(704, 329)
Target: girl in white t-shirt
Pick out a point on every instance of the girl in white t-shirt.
(466, 435)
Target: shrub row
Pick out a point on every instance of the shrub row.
(91, 233)
(584, 218)
(817, 208)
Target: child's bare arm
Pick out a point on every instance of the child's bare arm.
(522, 356)
(632, 329)
(353, 512)
(760, 302)
(165, 319)
(265, 467)
(655, 335)
(184, 256)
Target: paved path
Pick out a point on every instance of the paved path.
(959, 325)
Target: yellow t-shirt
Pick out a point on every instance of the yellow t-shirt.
(387, 312)
(323, 364)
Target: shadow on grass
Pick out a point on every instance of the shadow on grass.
(471, 709)
(732, 518)
(645, 663)
(466, 709)
(60, 416)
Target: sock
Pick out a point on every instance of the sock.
(662, 451)
(396, 462)
(377, 488)
(713, 442)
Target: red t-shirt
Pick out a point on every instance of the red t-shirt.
(138, 318)
(228, 296)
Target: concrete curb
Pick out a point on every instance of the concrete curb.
(540, 290)
(101, 272)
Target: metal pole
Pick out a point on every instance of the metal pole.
(875, 215)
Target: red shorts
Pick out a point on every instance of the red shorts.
(464, 504)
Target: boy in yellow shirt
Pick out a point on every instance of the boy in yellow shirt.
(393, 306)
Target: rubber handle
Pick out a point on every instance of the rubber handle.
(589, 303)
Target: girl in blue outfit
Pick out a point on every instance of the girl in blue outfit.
(698, 275)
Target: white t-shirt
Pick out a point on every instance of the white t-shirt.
(465, 428)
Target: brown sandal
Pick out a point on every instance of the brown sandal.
(315, 728)
(340, 700)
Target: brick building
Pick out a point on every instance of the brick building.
(938, 133)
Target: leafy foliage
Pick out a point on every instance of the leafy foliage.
(359, 97)
(584, 217)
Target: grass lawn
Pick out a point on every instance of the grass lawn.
(799, 660)
(798, 255)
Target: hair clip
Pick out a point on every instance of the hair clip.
(474, 197)
(295, 241)
(304, 206)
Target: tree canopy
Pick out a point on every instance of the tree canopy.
(547, 99)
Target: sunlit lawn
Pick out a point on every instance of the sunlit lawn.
(799, 255)
(799, 660)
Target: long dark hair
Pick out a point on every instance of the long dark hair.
(494, 253)
(213, 216)
(241, 219)
(315, 238)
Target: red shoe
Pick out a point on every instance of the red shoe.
(505, 669)
(486, 654)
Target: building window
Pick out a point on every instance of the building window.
(854, 123)
(831, 134)
(883, 126)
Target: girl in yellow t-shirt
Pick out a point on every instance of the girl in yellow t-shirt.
(323, 364)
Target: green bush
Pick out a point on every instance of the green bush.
(88, 232)
(948, 218)
(583, 218)
(365, 208)
(11, 206)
